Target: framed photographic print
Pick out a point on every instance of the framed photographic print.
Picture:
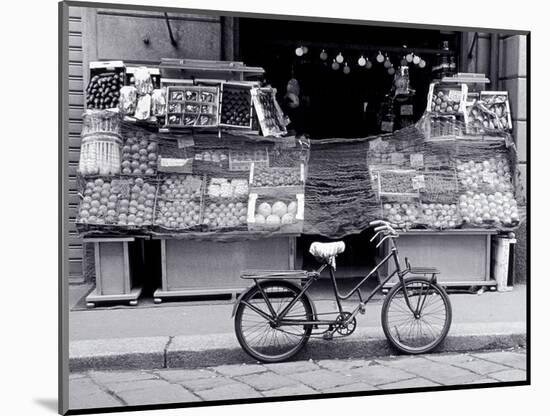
(265, 207)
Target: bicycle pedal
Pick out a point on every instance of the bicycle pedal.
(328, 336)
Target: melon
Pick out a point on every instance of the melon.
(264, 209)
(279, 208)
(273, 220)
(292, 208)
(260, 219)
(287, 218)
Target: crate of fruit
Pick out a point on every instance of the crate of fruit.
(179, 205)
(441, 185)
(440, 214)
(402, 214)
(139, 155)
(278, 214)
(285, 178)
(236, 109)
(240, 160)
(270, 115)
(116, 205)
(192, 107)
(447, 99)
(490, 114)
(106, 80)
(227, 189)
(405, 183)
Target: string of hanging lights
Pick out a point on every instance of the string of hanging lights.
(364, 61)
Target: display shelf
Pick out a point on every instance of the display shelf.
(114, 266)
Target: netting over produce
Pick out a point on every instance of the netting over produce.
(439, 174)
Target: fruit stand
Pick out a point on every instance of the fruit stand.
(206, 167)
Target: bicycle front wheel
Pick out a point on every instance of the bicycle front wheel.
(420, 325)
(260, 338)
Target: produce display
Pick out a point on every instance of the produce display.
(229, 189)
(224, 214)
(179, 202)
(126, 202)
(447, 99)
(440, 216)
(269, 113)
(99, 155)
(219, 157)
(489, 209)
(272, 215)
(269, 177)
(489, 114)
(403, 215)
(241, 160)
(139, 154)
(397, 182)
(440, 185)
(192, 106)
(490, 175)
(103, 90)
(236, 106)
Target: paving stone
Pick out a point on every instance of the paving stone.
(206, 383)
(375, 375)
(409, 384)
(322, 379)
(343, 365)
(110, 377)
(175, 376)
(289, 391)
(438, 372)
(292, 367)
(350, 388)
(158, 393)
(468, 362)
(85, 394)
(509, 358)
(228, 392)
(267, 381)
(240, 369)
(119, 387)
(509, 375)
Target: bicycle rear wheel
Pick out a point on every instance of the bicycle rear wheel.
(258, 336)
(423, 328)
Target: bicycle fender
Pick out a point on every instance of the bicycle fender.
(239, 300)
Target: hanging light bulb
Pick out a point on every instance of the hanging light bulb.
(409, 57)
(346, 69)
(391, 70)
(299, 51)
(323, 55)
(339, 58)
(305, 49)
(361, 61)
(387, 62)
(335, 65)
(416, 59)
(380, 57)
(368, 65)
(422, 63)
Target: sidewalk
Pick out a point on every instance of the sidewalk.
(194, 335)
(230, 382)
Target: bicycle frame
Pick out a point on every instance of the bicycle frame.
(279, 320)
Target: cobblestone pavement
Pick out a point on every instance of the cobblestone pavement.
(96, 389)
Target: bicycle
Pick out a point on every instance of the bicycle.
(274, 318)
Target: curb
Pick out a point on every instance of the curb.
(220, 349)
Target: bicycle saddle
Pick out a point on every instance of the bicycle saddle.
(327, 252)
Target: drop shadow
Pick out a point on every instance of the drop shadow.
(49, 404)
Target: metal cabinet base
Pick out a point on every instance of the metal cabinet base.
(462, 256)
(113, 271)
(200, 267)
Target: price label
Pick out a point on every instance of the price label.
(418, 182)
(166, 162)
(184, 142)
(407, 110)
(455, 95)
(397, 158)
(417, 160)
(387, 126)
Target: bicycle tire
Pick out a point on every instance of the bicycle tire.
(394, 336)
(264, 354)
